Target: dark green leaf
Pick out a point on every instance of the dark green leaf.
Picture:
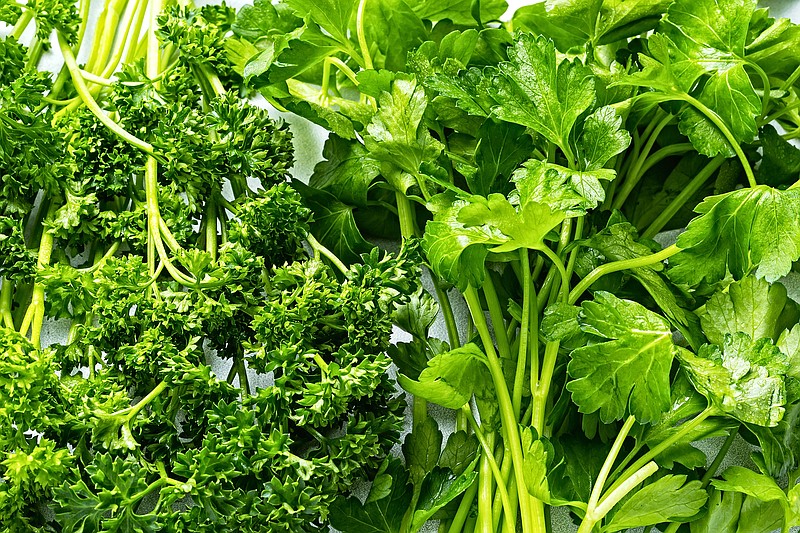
(421, 450)
(347, 171)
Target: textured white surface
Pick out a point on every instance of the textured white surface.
(308, 142)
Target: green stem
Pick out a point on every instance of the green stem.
(132, 411)
(6, 293)
(597, 490)
(723, 451)
(316, 246)
(616, 266)
(362, 39)
(654, 452)
(498, 476)
(529, 523)
(449, 317)
(635, 174)
(405, 214)
(542, 391)
(559, 264)
(464, 508)
(22, 23)
(719, 123)
(211, 228)
(485, 484)
(527, 330)
(496, 314)
(89, 101)
(594, 515)
(686, 193)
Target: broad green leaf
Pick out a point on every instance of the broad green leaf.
(758, 516)
(421, 449)
(620, 241)
(377, 515)
(744, 231)
(560, 323)
(333, 16)
(333, 224)
(450, 378)
(396, 134)
(751, 306)
(731, 95)
(501, 148)
(538, 457)
(602, 138)
(573, 23)
(507, 228)
(780, 445)
(743, 378)
(458, 11)
(744, 480)
(669, 499)
(665, 69)
(686, 405)
(572, 191)
(470, 89)
(700, 27)
(629, 372)
(347, 171)
(262, 18)
(417, 315)
(713, 33)
(722, 514)
(780, 161)
(394, 29)
(440, 487)
(459, 452)
(537, 92)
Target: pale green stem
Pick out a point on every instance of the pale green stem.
(616, 266)
(317, 246)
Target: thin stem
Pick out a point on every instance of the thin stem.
(449, 317)
(464, 508)
(598, 513)
(83, 91)
(529, 522)
(654, 452)
(719, 123)
(723, 451)
(542, 391)
(6, 294)
(688, 192)
(487, 453)
(636, 170)
(316, 246)
(616, 266)
(362, 39)
(132, 411)
(559, 264)
(526, 331)
(496, 314)
(597, 490)
(22, 23)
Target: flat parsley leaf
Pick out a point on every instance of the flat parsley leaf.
(744, 231)
(742, 378)
(534, 90)
(629, 372)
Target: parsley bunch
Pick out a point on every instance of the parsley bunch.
(537, 159)
(145, 205)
